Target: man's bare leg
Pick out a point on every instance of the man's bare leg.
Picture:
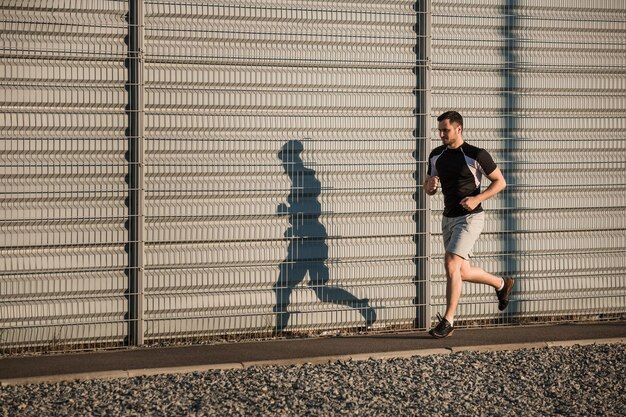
(475, 274)
(453, 265)
(459, 270)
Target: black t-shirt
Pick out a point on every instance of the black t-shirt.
(460, 172)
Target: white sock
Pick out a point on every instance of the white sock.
(451, 322)
(501, 286)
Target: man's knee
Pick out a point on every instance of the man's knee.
(465, 269)
(453, 262)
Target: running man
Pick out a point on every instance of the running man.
(460, 167)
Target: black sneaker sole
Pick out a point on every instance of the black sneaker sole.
(507, 289)
(436, 336)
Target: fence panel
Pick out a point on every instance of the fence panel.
(543, 88)
(62, 169)
(282, 150)
(279, 166)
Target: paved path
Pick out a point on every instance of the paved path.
(150, 361)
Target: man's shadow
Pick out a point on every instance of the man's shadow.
(307, 250)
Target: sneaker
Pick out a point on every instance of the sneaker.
(443, 329)
(503, 294)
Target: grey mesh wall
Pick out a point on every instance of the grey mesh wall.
(279, 144)
(541, 85)
(62, 146)
(279, 166)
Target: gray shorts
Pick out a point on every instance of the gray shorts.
(460, 233)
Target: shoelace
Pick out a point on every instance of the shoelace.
(439, 317)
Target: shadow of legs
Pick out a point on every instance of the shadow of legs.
(290, 275)
(341, 296)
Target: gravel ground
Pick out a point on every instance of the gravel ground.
(579, 380)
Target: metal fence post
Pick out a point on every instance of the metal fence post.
(427, 149)
(136, 173)
(422, 133)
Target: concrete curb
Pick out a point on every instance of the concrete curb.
(51, 379)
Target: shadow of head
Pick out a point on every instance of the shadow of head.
(289, 154)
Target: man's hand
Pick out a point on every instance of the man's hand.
(498, 183)
(430, 185)
(470, 203)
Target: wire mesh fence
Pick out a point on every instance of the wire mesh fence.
(543, 89)
(63, 167)
(273, 150)
(187, 171)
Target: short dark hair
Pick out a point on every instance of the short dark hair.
(452, 116)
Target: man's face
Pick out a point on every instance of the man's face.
(449, 133)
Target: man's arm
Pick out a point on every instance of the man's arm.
(498, 183)
(430, 185)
